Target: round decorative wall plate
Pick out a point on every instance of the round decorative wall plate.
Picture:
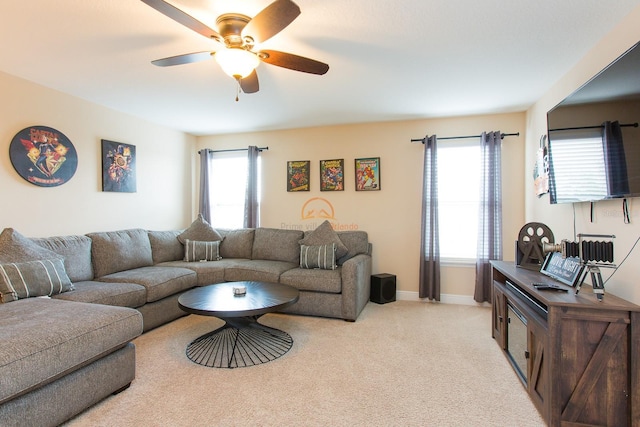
(43, 156)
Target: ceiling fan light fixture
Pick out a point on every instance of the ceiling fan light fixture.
(237, 62)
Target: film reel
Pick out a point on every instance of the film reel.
(532, 236)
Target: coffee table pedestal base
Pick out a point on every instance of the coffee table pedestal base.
(239, 343)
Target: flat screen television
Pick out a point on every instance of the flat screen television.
(594, 138)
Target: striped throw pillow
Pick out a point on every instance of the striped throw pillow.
(322, 256)
(33, 279)
(195, 250)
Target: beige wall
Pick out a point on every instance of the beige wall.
(391, 216)
(608, 214)
(164, 190)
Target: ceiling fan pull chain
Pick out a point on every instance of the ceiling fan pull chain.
(237, 90)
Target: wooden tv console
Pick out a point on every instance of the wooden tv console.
(578, 358)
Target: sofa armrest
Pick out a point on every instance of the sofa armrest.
(356, 285)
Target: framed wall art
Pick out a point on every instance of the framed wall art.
(118, 167)
(298, 175)
(43, 156)
(367, 173)
(332, 175)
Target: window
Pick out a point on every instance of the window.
(583, 177)
(458, 200)
(228, 183)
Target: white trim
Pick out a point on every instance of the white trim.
(458, 262)
(444, 299)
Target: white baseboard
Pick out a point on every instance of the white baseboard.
(444, 298)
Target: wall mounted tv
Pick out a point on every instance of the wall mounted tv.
(594, 138)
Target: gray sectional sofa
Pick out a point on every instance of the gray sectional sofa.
(63, 353)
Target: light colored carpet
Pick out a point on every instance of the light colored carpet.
(401, 364)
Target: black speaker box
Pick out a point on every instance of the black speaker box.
(383, 288)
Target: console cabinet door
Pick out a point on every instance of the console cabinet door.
(592, 377)
(499, 309)
(538, 362)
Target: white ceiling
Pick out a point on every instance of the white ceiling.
(390, 60)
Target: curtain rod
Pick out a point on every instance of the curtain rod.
(502, 135)
(233, 149)
(627, 125)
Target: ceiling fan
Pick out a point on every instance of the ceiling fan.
(239, 34)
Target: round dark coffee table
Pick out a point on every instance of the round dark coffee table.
(242, 341)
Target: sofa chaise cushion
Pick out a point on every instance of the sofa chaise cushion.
(32, 355)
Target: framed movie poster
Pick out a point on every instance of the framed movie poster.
(298, 175)
(43, 156)
(332, 175)
(118, 167)
(368, 174)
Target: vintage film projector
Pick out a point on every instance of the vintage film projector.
(592, 254)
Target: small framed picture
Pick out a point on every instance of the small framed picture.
(298, 175)
(118, 167)
(367, 174)
(567, 270)
(332, 175)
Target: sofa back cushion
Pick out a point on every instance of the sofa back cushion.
(115, 251)
(165, 246)
(237, 243)
(277, 245)
(357, 242)
(76, 251)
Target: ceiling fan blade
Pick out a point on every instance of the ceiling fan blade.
(187, 58)
(250, 83)
(183, 18)
(293, 62)
(271, 20)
